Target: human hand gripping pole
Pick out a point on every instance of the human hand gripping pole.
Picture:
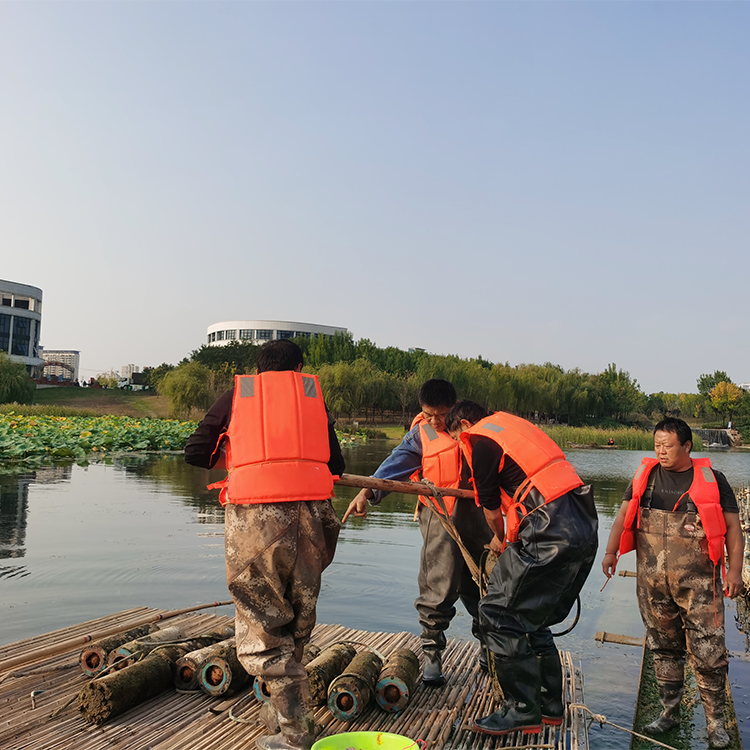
(358, 506)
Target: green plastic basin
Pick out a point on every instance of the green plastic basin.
(365, 741)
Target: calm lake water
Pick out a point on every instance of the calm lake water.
(82, 542)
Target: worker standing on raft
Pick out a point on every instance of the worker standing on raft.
(428, 452)
(545, 554)
(280, 527)
(679, 514)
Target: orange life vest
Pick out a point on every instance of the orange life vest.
(546, 468)
(277, 440)
(441, 463)
(704, 492)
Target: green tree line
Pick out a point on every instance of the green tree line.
(363, 381)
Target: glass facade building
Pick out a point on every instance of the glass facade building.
(21, 323)
(260, 331)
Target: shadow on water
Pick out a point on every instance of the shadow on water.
(142, 530)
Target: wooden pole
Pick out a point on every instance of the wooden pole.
(389, 485)
(72, 643)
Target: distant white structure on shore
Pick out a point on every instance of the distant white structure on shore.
(126, 371)
(260, 331)
(62, 363)
(21, 323)
(744, 386)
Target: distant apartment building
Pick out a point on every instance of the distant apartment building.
(127, 371)
(64, 364)
(21, 323)
(744, 386)
(260, 331)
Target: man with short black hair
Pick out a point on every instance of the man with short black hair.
(280, 527)
(679, 514)
(427, 451)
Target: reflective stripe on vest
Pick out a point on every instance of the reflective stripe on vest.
(538, 456)
(277, 441)
(441, 462)
(704, 493)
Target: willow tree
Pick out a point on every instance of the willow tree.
(188, 387)
(15, 384)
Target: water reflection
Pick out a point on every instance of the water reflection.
(14, 508)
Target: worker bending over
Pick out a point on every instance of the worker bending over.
(545, 553)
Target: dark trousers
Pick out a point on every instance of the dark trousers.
(536, 579)
(444, 577)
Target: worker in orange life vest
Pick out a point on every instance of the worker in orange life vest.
(280, 527)
(679, 514)
(428, 451)
(545, 547)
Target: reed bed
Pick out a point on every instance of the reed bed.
(626, 438)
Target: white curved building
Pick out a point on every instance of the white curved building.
(21, 323)
(260, 331)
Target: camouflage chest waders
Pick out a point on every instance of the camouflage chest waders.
(681, 601)
(275, 555)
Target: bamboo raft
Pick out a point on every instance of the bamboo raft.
(38, 706)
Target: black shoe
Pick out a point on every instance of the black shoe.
(432, 674)
(510, 718)
(519, 679)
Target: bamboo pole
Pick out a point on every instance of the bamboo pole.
(389, 485)
(72, 643)
(627, 640)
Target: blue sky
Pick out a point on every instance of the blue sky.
(528, 181)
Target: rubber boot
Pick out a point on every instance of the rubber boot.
(670, 695)
(292, 705)
(483, 650)
(432, 674)
(482, 661)
(433, 646)
(553, 708)
(713, 704)
(269, 719)
(520, 681)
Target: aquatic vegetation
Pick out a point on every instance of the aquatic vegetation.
(626, 438)
(80, 437)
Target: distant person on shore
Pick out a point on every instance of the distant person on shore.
(545, 546)
(679, 514)
(611, 441)
(428, 451)
(280, 527)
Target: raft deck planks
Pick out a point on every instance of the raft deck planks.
(178, 721)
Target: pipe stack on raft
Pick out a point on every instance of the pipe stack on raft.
(351, 692)
(396, 681)
(321, 671)
(111, 695)
(93, 659)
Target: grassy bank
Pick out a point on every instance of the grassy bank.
(102, 401)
